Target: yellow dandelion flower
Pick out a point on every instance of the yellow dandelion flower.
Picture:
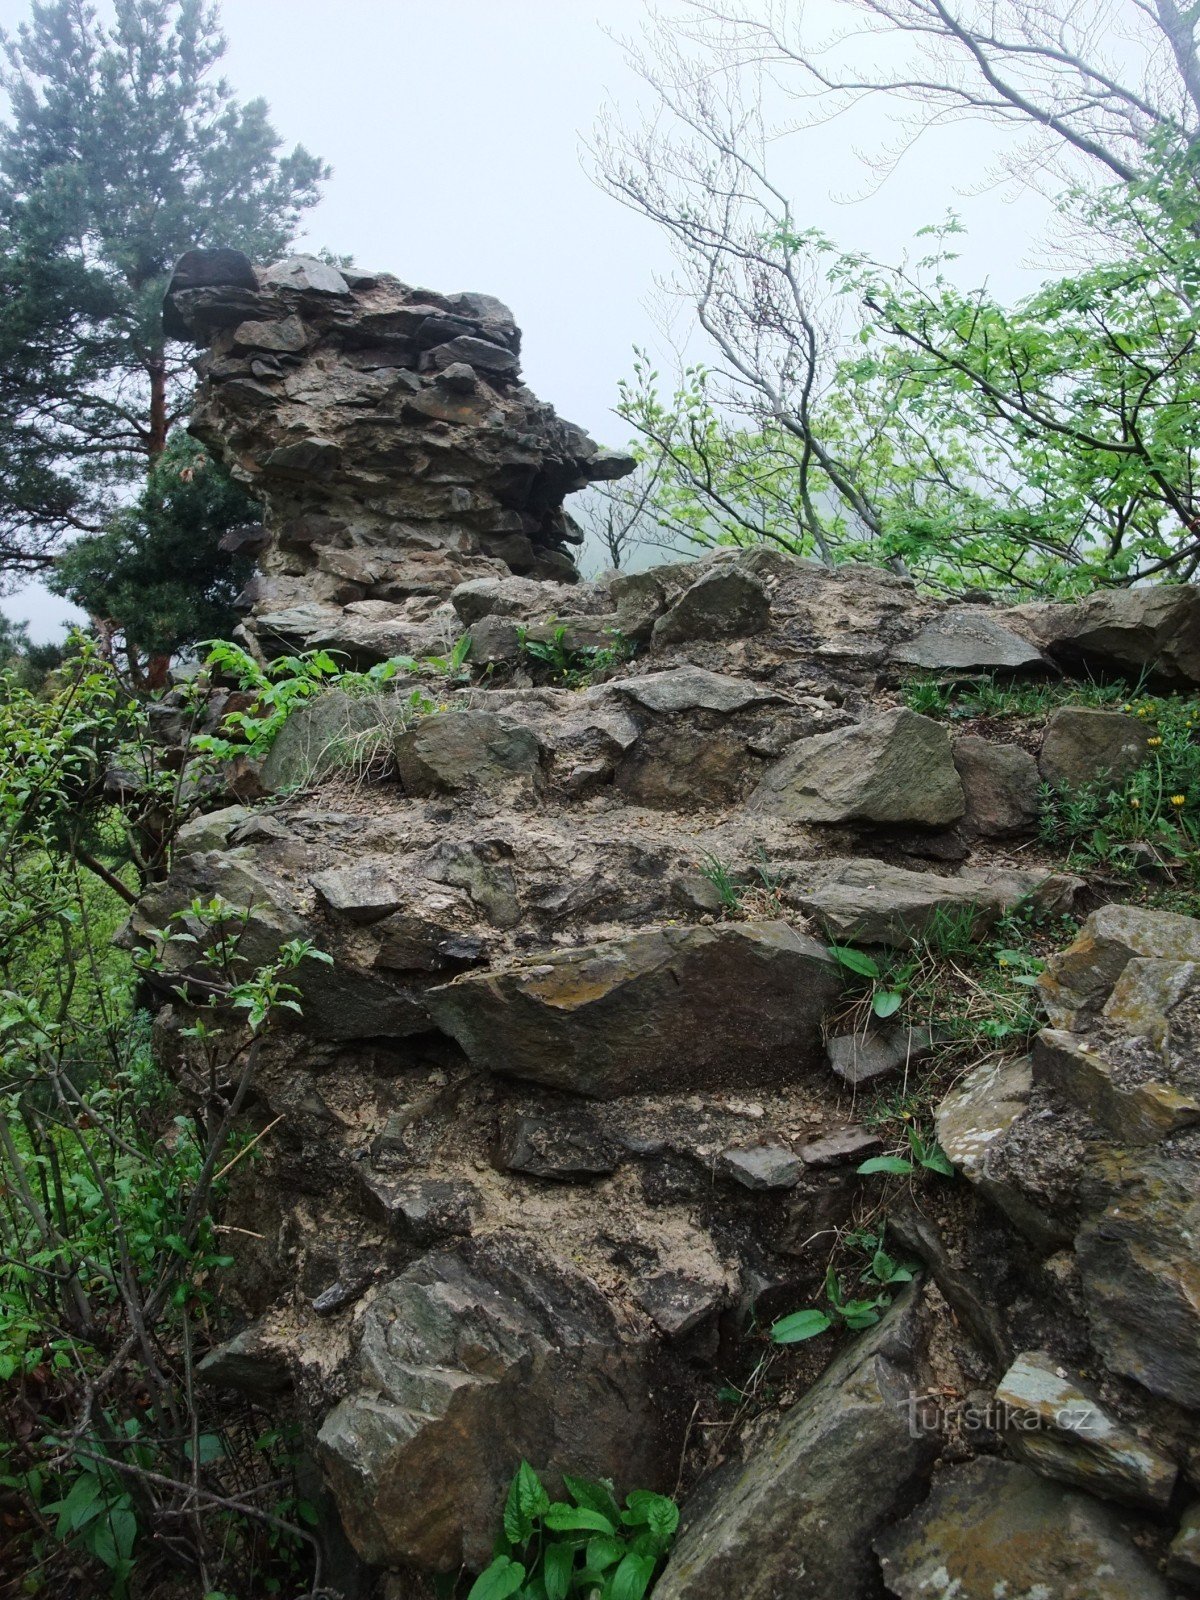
(1127, 706)
(1179, 799)
(1155, 741)
(1135, 803)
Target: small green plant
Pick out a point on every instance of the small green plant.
(572, 665)
(927, 1155)
(881, 1276)
(717, 873)
(586, 1546)
(887, 988)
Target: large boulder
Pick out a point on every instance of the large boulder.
(725, 601)
(797, 1518)
(662, 1008)
(1151, 631)
(1137, 1093)
(465, 750)
(332, 730)
(991, 1529)
(890, 769)
(483, 1354)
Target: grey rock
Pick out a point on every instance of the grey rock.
(319, 736)
(1151, 630)
(1084, 745)
(1000, 782)
(1053, 1422)
(480, 354)
(210, 831)
(859, 1058)
(362, 893)
(464, 750)
(678, 1303)
(798, 1517)
(893, 768)
(870, 902)
(1183, 1558)
(1126, 1086)
(722, 603)
(846, 1147)
(1145, 996)
(990, 1528)
(968, 639)
(421, 1211)
(494, 639)
(286, 337)
(308, 273)
(692, 689)
(477, 1357)
(744, 997)
(1078, 982)
(762, 1166)
(1137, 1261)
(565, 1148)
(249, 1363)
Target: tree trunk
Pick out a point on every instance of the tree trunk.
(156, 366)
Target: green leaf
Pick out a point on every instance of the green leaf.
(632, 1577)
(556, 1572)
(603, 1552)
(527, 1500)
(562, 1518)
(936, 1160)
(897, 1164)
(799, 1326)
(853, 960)
(656, 1511)
(597, 1496)
(498, 1580)
(887, 1002)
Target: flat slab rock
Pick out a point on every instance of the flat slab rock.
(991, 1529)
(1054, 1422)
(797, 1518)
(662, 1008)
(969, 639)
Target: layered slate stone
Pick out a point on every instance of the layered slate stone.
(992, 1529)
(663, 1007)
(890, 769)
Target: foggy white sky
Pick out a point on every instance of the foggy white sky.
(453, 128)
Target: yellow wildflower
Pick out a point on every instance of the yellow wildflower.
(1154, 741)
(1135, 803)
(1179, 799)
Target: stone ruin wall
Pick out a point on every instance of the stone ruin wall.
(558, 1120)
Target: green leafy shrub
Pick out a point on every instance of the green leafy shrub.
(882, 1275)
(586, 1546)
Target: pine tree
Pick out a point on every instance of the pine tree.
(121, 151)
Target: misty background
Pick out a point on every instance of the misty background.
(457, 134)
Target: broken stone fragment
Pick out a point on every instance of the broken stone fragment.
(1124, 1085)
(893, 768)
(1078, 981)
(762, 1166)
(566, 1148)
(1053, 1422)
(724, 602)
(307, 273)
(464, 750)
(969, 639)
(731, 1003)
(422, 1211)
(859, 1058)
(1183, 1558)
(846, 1147)
(479, 1356)
(692, 689)
(362, 893)
(1084, 745)
(249, 1363)
(869, 902)
(285, 337)
(1146, 994)
(1137, 1261)
(797, 1517)
(1000, 782)
(991, 1529)
(678, 1303)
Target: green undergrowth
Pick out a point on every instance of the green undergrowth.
(586, 1546)
(555, 660)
